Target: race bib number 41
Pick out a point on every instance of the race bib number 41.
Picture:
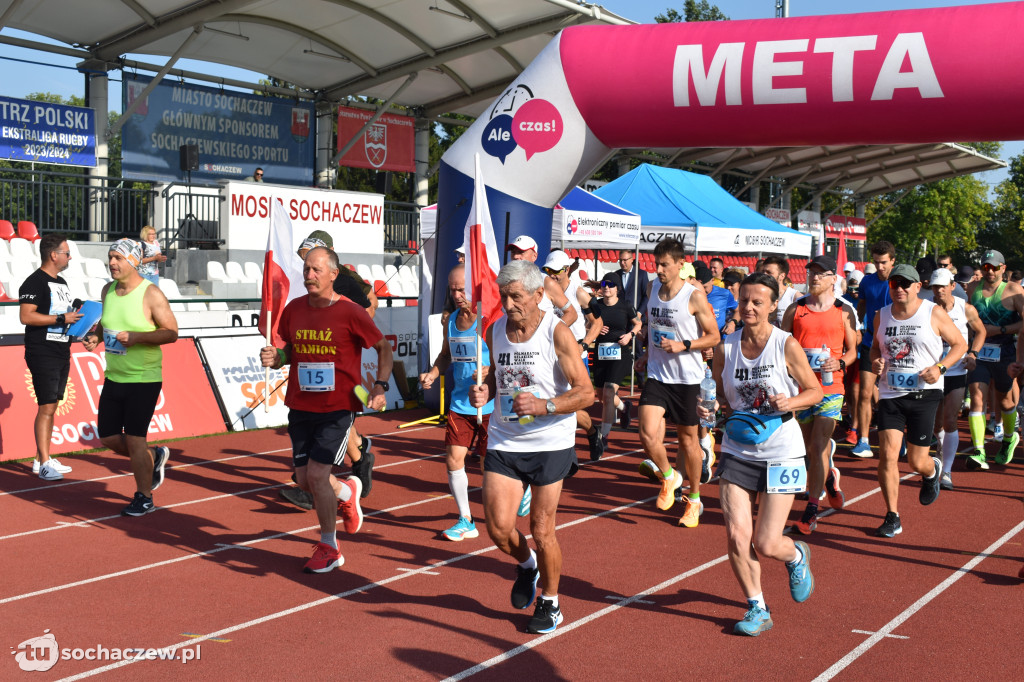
(787, 477)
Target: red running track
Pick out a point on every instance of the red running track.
(215, 573)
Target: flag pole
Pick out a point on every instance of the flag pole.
(479, 356)
(266, 374)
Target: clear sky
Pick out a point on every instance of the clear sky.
(59, 76)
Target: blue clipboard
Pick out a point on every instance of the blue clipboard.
(91, 313)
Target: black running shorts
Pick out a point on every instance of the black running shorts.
(915, 413)
(49, 376)
(319, 436)
(533, 468)
(950, 384)
(678, 400)
(127, 408)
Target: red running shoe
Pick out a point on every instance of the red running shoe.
(851, 437)
(836, 498)
(325, 558)
(808, 522)
(351, 513)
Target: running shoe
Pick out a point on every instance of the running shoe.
(977, 461)
(930, 486)
(596, 445)
(139, 506)
(707, 462)
(57, 465)
(325, 558)
(524, 505)
(801, 581)
(160, 456)
(462, 530)
(808, 522)
(997, 433)
(524, 589)
(891, 526)
(666, 497)
(649, 469)
(364, 467)
(947, 481)
(48, 473)
(297, 496)
(350, 511)
(990, 426)
(546, 617)
(755, 621)
(861, 449)
(851, 437)
(1005, 454)
(624, 414)
(691, 517)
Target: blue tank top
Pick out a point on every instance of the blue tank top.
(462, 346)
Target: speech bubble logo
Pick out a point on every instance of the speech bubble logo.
(497, 139)
(572, 227)
(38, 654)
(537, 126)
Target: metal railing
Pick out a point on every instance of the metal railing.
(190, 219)
(75, 204)
(401, 225)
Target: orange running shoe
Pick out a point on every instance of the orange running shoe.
(691, 517)
(325, 558)
(668, 487)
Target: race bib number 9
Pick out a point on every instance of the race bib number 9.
(462, 348)
(989, 353)
(609, 351)
(111, 344)
(661, 331)
(787, 477)
(903, 381)
(316, 376)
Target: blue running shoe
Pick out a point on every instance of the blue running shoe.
(524, 504)
(861, 449)
(801, 582)
(463, 529)
(754, 622)
(546, 617)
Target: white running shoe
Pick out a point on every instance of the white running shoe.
(47, 472)
(57, 465)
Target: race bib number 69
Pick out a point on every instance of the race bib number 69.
(788, 477)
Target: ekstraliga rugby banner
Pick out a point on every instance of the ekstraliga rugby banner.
(935, 75)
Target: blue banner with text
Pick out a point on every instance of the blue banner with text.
(47, 133)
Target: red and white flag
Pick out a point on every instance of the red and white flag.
(482, 263)
(282, 272)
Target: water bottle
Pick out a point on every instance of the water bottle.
(826, 377)
(707, 397)
(526, 418)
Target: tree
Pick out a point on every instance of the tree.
(692, 11)
(1006, 229)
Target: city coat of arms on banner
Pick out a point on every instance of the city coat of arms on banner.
(376, 140)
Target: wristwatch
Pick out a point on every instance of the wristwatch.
(1002, 329)
(687, 343)
(942, 367)
(383, 384)
(842, 365)
(971, 351)
(550, 407)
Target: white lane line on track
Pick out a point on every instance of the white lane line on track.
(342, 595)
(859, 651)
(868, 632)
(247, 544)
(186, 466)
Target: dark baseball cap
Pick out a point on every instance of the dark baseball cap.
(826, 263)
(702, 273)
(965, 274)
(732, 277)
(993, 257)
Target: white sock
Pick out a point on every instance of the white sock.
(329, 539)
(759, 600)
(531, 562)
(950, 444)
(553, 600)
(705, 442)
(346, 492)
(620, 406)
(938, 440)
(799, 556)
(459, 484)
(863, 439)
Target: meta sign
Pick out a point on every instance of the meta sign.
(42, 132)
(235, 133)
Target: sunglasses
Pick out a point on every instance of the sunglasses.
(608, 285)
(988, 267)
(900, 284)
(551, 271)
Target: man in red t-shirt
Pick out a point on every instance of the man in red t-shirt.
(820, 320)
(324, 336)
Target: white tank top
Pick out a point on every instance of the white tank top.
(785, 300)
(672, 319)
(531, 363)
(579, 327)
(959, 316)
(748, 385)
(908, 346)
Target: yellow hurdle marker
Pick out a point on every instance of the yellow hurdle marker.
(432, 419)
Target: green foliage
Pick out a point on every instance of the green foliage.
(692, 11)
(1006, 229)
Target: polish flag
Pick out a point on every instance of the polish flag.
(482, 263)
(282, 273)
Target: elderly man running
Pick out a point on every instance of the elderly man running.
(540, 382)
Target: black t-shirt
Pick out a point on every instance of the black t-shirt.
(51, 296)
(618, 318)
(348, 284)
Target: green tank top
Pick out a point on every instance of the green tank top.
(138, 364)
(991, 309)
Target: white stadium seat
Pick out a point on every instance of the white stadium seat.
(94, 267)
(234, 270)
(253, 272)
(215, 272)
(169, 287)
(94, 287)
(390, 271)
(378, 272)
(21, 250)
(364, 272)
(5, 251)
(73, 249)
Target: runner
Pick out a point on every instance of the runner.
(461, 431)
(1000, 306)
(825, 327)
(965, 317)
(907, 354)
(763, 376)
(540, 382)
(136, 321)
(324, 336)
(778, 267)
(557, 267)
(45, 308)
(873, 295)
(681, 325)
(616, 324)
